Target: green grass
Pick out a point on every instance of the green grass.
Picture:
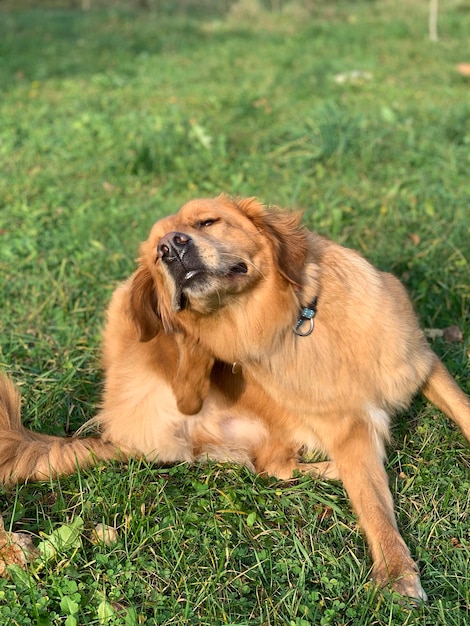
(110, 120)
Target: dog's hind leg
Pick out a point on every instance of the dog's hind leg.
(358, 454)
(442, 390)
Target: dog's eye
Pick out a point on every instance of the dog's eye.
(206, 223)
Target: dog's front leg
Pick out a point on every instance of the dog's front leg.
(192, 381)
(358, 455)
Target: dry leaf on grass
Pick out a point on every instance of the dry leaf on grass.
(414, 238)
(451, 334)
(15, 549)
(104, 534)
(323, 511)
(433, 333)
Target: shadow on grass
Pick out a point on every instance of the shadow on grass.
(44, 44)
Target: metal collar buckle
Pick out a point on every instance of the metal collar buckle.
(306, 316)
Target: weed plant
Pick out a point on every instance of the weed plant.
(111, 120)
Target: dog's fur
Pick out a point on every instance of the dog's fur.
(226, 279)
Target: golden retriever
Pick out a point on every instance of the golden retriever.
(242, 336)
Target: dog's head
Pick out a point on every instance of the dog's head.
(211, 253)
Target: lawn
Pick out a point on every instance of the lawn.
(111, 120)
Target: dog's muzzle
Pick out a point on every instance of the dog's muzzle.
(179, 253)
(174, 246)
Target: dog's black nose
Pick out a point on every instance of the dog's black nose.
(172, 244)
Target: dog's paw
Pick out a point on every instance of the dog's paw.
(189, 404)
(401, 575)
(403, 580)
(409, 586)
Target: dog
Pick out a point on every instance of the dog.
(244, 337)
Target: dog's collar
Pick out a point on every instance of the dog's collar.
(306, 316)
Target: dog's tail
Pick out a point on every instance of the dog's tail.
(26, 455)
(442, 390)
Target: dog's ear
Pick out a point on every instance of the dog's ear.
(144, 304)
(286, 234)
